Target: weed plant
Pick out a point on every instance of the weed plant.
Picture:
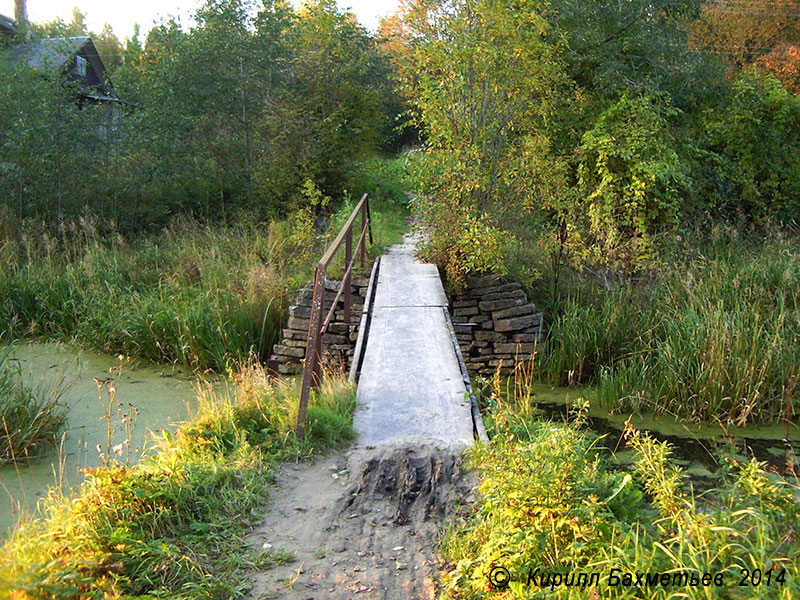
(31, 416)
(173, 525)
(551, 502)
(714, 337)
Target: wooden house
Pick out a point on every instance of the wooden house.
(75, 59)
(8, 29)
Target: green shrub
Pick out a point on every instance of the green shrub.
(551, 503)
(631, 178)
(754, 146)
(464, 244)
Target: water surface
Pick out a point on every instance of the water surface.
(164, 397)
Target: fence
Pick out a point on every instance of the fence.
(312, 368)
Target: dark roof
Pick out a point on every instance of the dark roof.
(7, 25)
(48, 53)
(57, 55)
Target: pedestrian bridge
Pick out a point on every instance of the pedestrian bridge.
(412, 381)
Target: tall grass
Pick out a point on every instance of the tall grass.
(195, 295)
(199, 295)
(31, 416)
(717, 337)
(552, 503)
(173, 525)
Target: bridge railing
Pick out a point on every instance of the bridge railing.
(312, 368)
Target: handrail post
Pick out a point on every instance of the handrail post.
(312, 367)
(364, 219)
(316, 373)
(348, 253)
(313, 346)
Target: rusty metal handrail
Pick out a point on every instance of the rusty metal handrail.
(317, 327)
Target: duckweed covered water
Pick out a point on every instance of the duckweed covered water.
(163, 396)
(696, 446)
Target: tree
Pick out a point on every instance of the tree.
(784, 64)
(395, 45)
(745, 33)
(757, 150)
(327, 113)
(264, 111)
(635, 47)
(59, 28)
(109, 48)
(494, 99)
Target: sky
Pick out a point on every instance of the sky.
(121, 15)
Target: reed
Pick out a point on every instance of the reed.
(199, 295)
(31, 416)
(193, 295)
(715, 338)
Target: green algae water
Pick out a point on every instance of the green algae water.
(163, 396)
(550, 399)
(696, 445)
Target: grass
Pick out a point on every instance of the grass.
(713, 338)
(31, 416)
(552, 503)
(199, 295)
(195, 295)
(173, 525)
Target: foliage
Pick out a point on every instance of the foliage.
(39, 165)
(234, 114)
(784, 65)
(488, 88)
(552, 503)
(630, 179)
(173, 525)
(591, 129)
(743, 32)
(31, 416)
(755, 146)
(638, 48)
(328, 110)
(463, 245)
(383, 178)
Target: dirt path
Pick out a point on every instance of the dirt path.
(362, 525)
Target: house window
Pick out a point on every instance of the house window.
(80, 66)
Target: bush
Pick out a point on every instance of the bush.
(553, 511)
(753, 141)
(463, 244)
(631, 178)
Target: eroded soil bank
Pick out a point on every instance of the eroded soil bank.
(363, 524)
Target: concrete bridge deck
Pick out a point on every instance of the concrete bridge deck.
(411, 385)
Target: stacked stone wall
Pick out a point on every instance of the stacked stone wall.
(495, 325)
(339, 341)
